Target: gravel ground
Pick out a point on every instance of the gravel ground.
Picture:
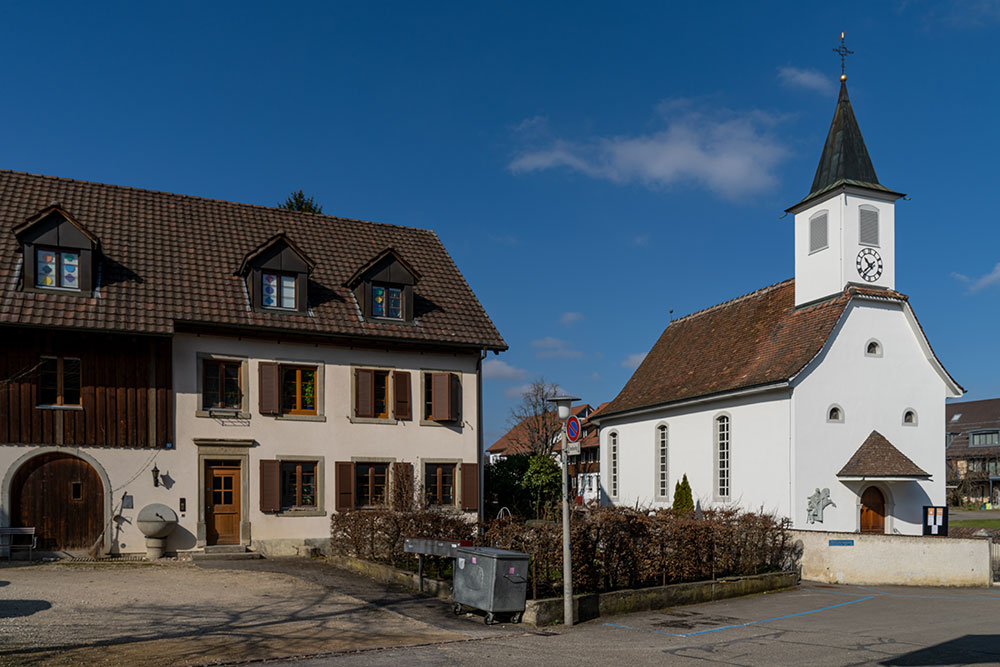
(180, 613)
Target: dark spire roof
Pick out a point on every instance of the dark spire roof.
(845, 159)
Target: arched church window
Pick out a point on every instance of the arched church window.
(613, 467)
(909, 417)
(873, 348)
(868, 225)
(724, 457)
(835, 414)
(818, 237)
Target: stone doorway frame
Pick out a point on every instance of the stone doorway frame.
(237, 451)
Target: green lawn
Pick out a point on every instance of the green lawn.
(978, 523)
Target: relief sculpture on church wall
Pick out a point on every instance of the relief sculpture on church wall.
(816, 504)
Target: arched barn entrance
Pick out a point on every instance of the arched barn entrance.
(62, 497)
(872, 511)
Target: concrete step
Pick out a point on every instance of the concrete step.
(225, 549)
(245, 555)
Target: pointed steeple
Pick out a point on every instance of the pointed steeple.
(845, 157)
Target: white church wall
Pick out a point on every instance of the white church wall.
(819, 273)
(759, 438)
(874, 392)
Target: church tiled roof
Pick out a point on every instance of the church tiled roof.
(757, 339)
(172, 259)
(877, 457)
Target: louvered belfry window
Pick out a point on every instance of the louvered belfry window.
(868, 234)
(818, 232)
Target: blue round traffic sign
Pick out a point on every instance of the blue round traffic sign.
(572, 428)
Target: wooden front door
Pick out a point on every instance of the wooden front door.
(872, 511)
(62, 497)
(222, 502)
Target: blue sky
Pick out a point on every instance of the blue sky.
(589, 165)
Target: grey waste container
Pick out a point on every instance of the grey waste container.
(491, 579)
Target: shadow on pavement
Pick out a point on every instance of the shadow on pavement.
(18, 608)
(966, 650)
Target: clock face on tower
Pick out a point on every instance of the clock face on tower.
(869, 264)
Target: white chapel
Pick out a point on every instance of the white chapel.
(818, 398)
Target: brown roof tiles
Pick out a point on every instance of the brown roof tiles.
(170, 259)
(876, 457)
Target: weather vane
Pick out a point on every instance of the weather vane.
(844, 52)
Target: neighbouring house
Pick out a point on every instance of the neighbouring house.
(972, 449)
(818, 398)
(254, 369)
(524, 436)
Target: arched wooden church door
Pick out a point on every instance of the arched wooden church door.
(62, 497)
(872, 511)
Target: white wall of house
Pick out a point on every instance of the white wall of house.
(873, 392)
(759, 440)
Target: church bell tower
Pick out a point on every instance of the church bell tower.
(845, 227)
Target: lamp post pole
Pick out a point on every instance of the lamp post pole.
(563, 404)
(567, 554)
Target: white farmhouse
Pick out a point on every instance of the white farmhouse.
(818, 398)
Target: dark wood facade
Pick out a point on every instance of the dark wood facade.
(126, 391)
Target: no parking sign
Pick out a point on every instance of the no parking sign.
(573, 433)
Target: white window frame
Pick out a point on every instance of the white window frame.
(661, 467)
(725, 466)
(613, 464)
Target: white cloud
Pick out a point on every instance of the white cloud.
(976, 284)
(728, 153)
(495, 369)
(595, 376)
(633, 360)
(549, 347)
(810, 79)
(570, 318)
(516, 392)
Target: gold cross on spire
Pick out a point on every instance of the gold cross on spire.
(844, 52)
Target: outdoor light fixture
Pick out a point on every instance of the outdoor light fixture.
(563, 404)
(156, 475)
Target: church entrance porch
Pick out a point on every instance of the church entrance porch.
(872, 511)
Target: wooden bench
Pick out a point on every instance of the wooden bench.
(7, 536)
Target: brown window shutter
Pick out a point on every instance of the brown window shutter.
(364, 399)
(470, 486)
(344, 474)
(401, 388)
(441, 397)
(402, 478)
(268, 373)
(270, 484)
(454, 396)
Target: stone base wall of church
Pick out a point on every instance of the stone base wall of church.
(908, 560)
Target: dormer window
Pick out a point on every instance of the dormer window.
(58, 252)
(278, 291)
(384, 287)
(387, 302)
(57, 268)
(277, 276)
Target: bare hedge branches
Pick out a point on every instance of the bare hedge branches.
(613, 547)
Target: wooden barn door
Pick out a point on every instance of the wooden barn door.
(872, 511)
(222, 502)
(62, 497)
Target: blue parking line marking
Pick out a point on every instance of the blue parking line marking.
(928, 597)
(743, 625)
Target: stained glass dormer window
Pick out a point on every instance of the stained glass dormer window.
(57, 269)
(387, 302)
(277, 291)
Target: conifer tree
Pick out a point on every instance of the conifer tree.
(297, 201)
(683, 500)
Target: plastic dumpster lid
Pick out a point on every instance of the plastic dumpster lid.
(492, 552)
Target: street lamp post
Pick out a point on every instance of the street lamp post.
(563, 404)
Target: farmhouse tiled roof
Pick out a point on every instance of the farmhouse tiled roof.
(877, 457)
(757, 339)
(172, 259)
(971, 416)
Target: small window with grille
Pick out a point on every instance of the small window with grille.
(868, 226)
(818, 234)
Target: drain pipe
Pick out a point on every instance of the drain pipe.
(479, 430)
